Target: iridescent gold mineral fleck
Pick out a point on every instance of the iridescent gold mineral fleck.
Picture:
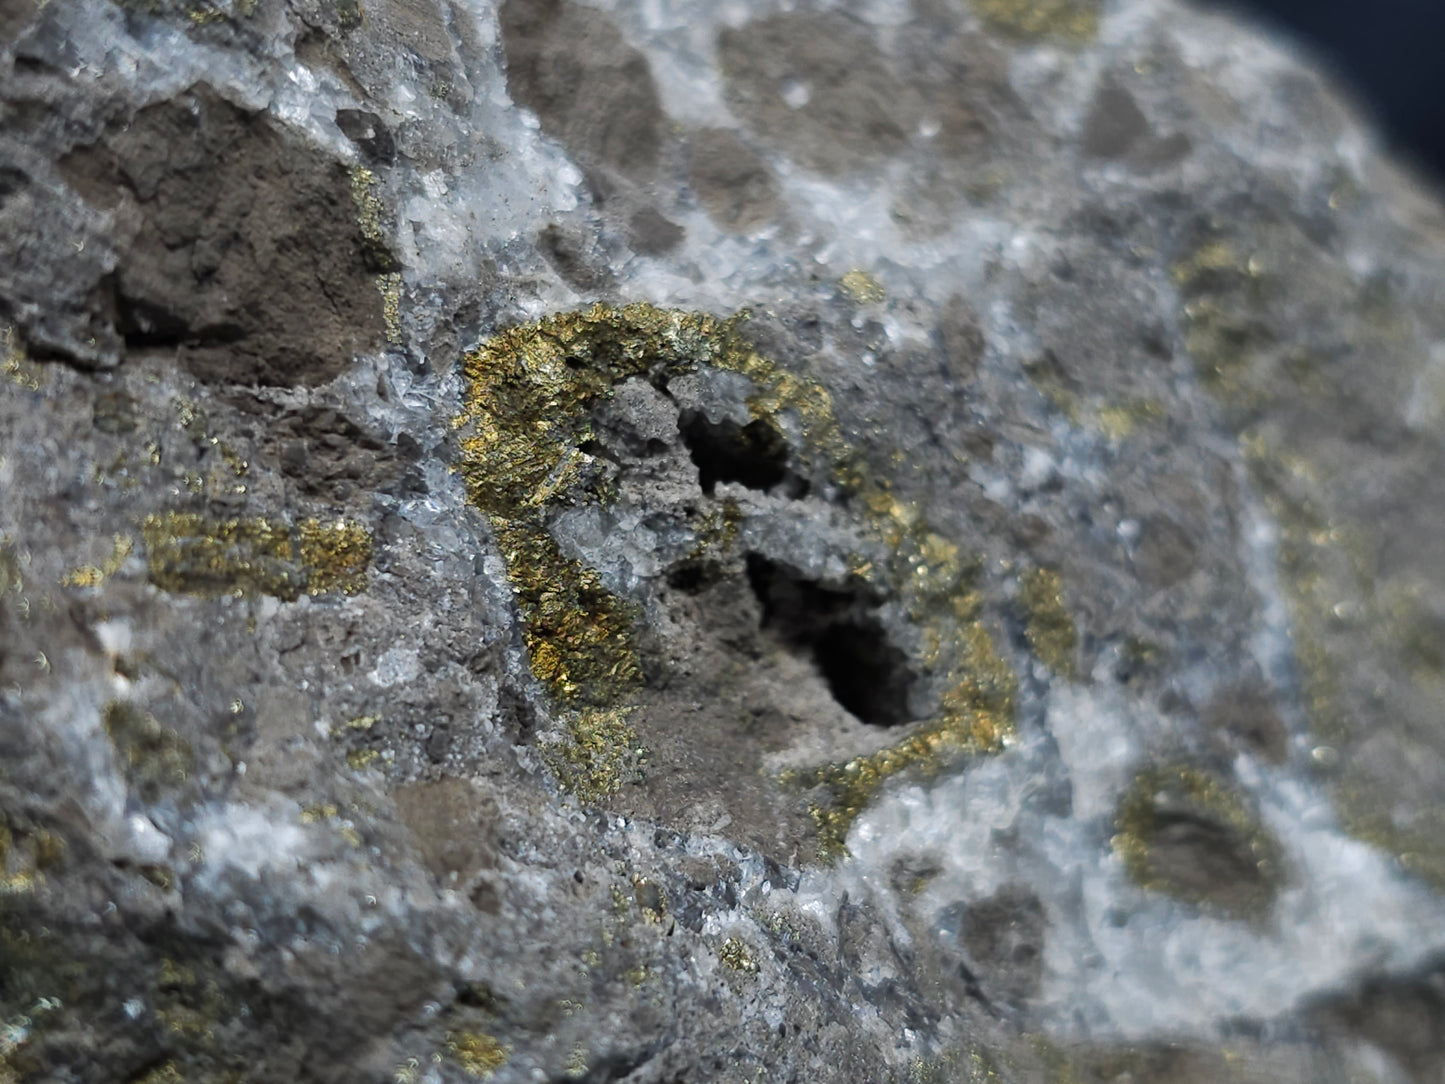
(479, 1055)
(862, 287)
(1049, 627)
(360, 759)
(734, 954)
(335, 555)
(598, 752)
(579, 634)
(189, 553)
(975, 714)
(531, 390)
(371, 217)
(1071, 21)
(974, 719)
(389, 286)
(526, 415)
(95, 575)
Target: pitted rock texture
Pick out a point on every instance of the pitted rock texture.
(881, 540)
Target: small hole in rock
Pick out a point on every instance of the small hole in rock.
(755, 454)
(693, 577)
(865, 673)
(836, 626)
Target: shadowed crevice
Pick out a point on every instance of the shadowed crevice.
(838, 630)
(754, 455)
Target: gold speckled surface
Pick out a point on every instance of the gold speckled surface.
(1050, 628)
(1072, 21)
(597, 753)
(371, 216)
(734, 954)
(94, 575)
(479, 1055)
(530, 390)
(188, 553)
(579, 635)
(862, 287)
(976, 716)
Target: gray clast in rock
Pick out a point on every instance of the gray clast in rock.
(660, 541)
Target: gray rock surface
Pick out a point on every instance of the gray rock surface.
(884, 540)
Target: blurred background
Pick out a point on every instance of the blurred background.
(1389, 53)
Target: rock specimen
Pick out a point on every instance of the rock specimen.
(887, 540)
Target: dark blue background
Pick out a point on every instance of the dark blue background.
(1390, 55)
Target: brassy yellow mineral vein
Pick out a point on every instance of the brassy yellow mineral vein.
(527, 414)
(193, 554)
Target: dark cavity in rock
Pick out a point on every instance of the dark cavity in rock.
(755, 455)
(838, 628)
